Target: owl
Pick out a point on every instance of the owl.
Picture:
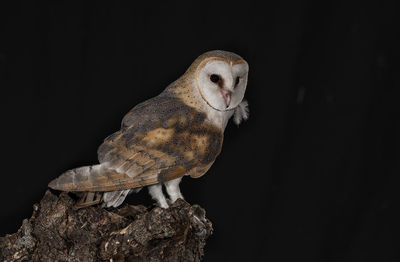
(177, 133)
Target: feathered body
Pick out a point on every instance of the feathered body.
(174, 134)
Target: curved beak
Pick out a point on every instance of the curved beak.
(226, 94)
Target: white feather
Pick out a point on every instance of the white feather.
(241, 112)
(115, 198)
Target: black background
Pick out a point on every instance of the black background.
(311, 176)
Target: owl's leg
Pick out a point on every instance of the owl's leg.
(157, 194)
(173, 190)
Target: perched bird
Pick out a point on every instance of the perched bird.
(177, 133)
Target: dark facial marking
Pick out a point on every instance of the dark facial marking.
(217, 80)
(237, 81)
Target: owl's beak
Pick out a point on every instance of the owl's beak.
(226, 94)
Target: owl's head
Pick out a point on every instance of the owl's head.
(221, 78)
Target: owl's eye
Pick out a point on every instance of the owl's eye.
(214, 78)
(237, 81)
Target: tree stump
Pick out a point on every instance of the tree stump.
(58, 232)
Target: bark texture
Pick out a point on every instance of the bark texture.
(58, 232)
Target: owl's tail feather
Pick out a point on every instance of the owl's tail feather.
(93, 185)
(96, 178)
(101, 178)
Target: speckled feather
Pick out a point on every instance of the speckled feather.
(167, 141)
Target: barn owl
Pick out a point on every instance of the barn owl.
(177, 133)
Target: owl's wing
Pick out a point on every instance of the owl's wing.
(135, 166)
(160, 139)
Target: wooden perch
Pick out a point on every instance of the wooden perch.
(58, 232)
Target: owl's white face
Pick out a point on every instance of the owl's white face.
(222, 85)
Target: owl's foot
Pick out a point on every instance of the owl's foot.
(157, 194)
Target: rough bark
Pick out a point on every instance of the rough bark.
(58, 232)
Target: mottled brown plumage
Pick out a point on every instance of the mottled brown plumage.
(161, 139)
(165, 142)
